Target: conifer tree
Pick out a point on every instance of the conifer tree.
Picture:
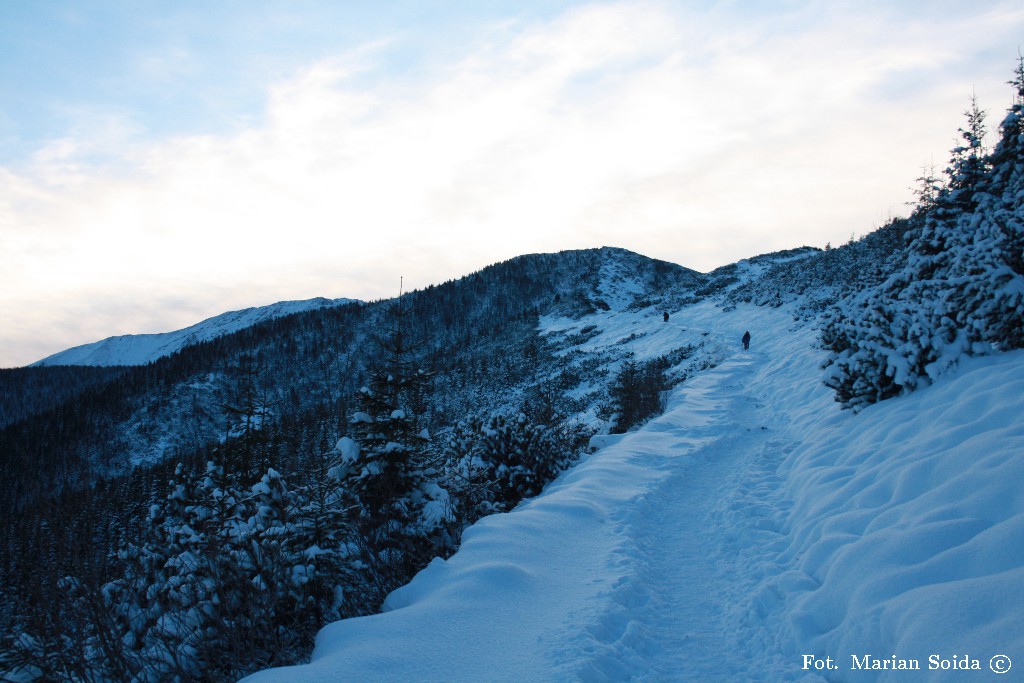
(930, 187)
(246, 447)
(322, 533)
(968, 163)
(388, 473)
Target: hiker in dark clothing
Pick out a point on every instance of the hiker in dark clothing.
(746, 340)
(666, 316)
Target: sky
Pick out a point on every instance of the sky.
(164, 162)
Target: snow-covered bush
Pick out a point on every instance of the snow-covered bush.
(491, 466)
(961, 291)
(635, 393)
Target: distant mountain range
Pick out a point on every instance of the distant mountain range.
(140, 349)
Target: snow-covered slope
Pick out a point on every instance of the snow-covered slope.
(139, 349)
(752, 532)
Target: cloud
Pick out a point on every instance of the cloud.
(693, 137)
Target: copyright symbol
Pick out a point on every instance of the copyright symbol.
(1000, 664)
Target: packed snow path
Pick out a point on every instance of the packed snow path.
(680, 611)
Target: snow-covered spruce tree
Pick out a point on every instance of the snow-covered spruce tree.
(968, 164)
(321, 531)
(492, 466)
(962, 289)
(389, 470)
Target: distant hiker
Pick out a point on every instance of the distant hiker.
(666, 316)
(746, 340)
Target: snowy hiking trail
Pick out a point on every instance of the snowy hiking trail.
(750, 524)
(680, 605)
(621, 570)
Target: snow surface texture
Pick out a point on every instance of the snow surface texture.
(140, 349)
(751, 524)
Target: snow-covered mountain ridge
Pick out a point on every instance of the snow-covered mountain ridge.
(724, 540)
(139, 349)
